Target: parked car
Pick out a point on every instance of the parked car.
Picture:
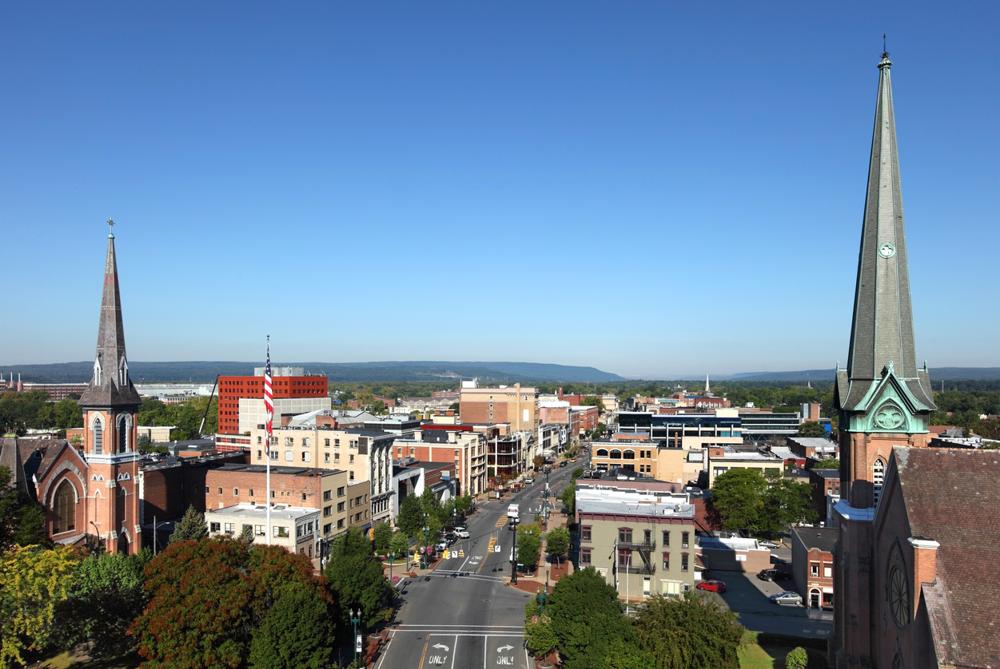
(712, 585)
(462, 533)
(441, 547)
(768, 574)
(787, 598)
(767, 544)
(529, 481)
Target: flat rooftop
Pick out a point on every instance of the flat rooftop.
(626, 503)
(278, 511)
(277, 469)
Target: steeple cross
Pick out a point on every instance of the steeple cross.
(111, 225)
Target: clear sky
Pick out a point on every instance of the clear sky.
(652, 188)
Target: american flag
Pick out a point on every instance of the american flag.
(268, 396)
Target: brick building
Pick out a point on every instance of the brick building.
(454, 444)
(513, 405)
(234, 388)
(812, 564)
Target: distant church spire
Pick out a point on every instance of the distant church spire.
(882, 327)
(708, 388)
(110, 384)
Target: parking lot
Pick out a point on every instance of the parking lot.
(747, 596)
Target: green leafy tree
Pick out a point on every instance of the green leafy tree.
(206, 598)
(738, 498)
(586, 617)
(463, 504)
(539, 637)
(624, 653)
(811, 429)
(191, 526)
(593, 401)
(529, 545)
(797, 658)
(105, 598)
(357, 580)
(399, 545)
(786, 502)
(411, 517)
(568, 498)
(22, 521)
(688, 632)
(827, 463)
(557, 543)
(34, 584)
(383, 537)
(298, 631)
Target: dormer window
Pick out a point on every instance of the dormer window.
(123, 372)
(97, 371)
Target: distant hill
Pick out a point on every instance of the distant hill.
(821, 375)
(199, 371)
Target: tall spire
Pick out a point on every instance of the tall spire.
(110, 384)
(882, 328)
(708, 388)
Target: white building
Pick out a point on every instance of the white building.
(293, 528)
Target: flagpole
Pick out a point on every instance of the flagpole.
(270, 418)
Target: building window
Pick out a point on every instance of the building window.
(288, 456)
(327, 511)
(236, 492)
(219, 490)
(827, 572)
(878, 478)
(280, 531)
(327, 496)
(666, 561)
(685, 537)
(229, 528)
(340, 507)
(206, 490)
(666, 538)
(259, 531)
(340, 491)
(624, 535)
(305, 456)
(64, 508)
(326, 443)
(124, 427)
(340, 523)
(327, 528)
(584, 556)
(258, 454)
(213, 527)
(98, 437)
(684, 562)
(813, 569)
(624, 558)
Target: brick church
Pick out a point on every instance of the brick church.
(91, 493)
(918, 556)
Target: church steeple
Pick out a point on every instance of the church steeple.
(882, 339)
(110, 384)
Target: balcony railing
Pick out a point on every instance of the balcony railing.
(636, 569)
(637, 545)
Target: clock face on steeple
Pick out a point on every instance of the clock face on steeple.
(887, 250)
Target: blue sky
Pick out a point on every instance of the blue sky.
(655, 189)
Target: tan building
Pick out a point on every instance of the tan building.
(721, 460)
(647, 458)
(641, 543)
(294, 528)
(463, 448)
(513, 405)
(341, 503)
(366, 455)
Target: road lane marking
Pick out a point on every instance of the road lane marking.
(454, 652)
(385, 651)
(423, 653)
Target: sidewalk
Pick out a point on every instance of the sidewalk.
(548, 573)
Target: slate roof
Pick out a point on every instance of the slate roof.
(952, 496)
(10, 457)
(822, 538)
(110, 346)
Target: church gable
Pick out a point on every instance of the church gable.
(889, 406)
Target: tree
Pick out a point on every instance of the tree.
(463, 504)
(586, 617)
(539, 638)
(538, 462)
(411, 517)
(22, 521)
(624, 653)
(568, 498)
(786, 502)
(529, 545)
(811, 429)
(557, 543)
(593, 401)
(206, 598)
(797, 658)
(191, 527)
(357, 580)
(399, 545)
(105, 598)
(738, 498)
(688, 632)
(827, 463)
(383, 536)
(34, 583)
(297, 631)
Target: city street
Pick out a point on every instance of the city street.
(464, 614)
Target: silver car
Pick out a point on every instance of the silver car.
(787, 598)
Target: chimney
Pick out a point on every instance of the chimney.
(924, 564)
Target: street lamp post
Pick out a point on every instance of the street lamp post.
(423, 553)
(513, 554)
(392, 558)
(355, 619)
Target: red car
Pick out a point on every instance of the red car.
(712, 586)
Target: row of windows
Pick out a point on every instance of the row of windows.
(625, 536)
(306, 456)
(625, 559)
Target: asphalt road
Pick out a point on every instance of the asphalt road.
(464, 614)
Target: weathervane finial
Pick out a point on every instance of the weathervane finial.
(111, 225)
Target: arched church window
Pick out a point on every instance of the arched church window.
(64, 508)
(878, 479)
(124, 425)
(98, 436)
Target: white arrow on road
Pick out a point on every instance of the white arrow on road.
(504, 649)
(441, 646)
